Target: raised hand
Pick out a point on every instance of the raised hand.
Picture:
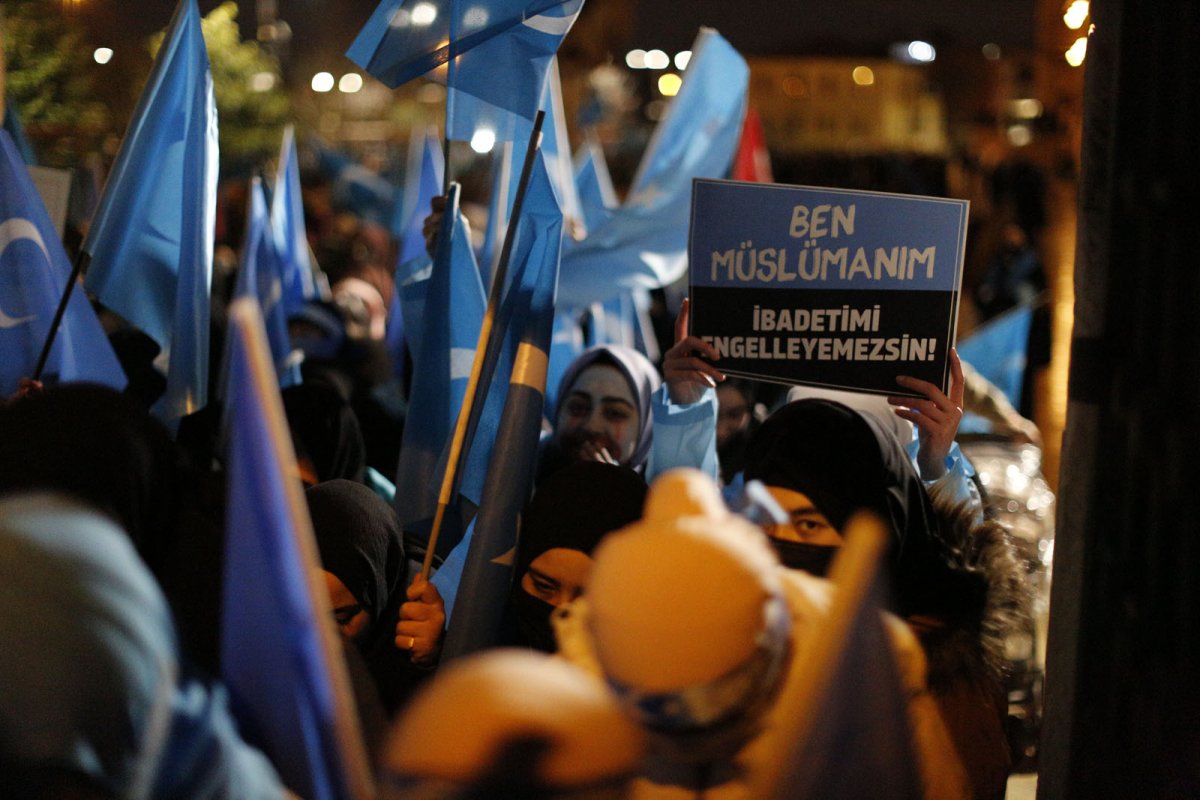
(937, 417)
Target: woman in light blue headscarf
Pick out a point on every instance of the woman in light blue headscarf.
(91, 702)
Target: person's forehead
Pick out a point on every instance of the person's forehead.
(603, 380)
(790, 500)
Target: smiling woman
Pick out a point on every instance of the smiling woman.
(604, 408)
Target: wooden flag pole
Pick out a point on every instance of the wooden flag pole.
(81, 261)
(355, 775)
(485, 334)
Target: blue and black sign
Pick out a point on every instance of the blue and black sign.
(826, 287)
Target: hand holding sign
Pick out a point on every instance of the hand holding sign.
(686, 374)
(827, 287)
(937, 417)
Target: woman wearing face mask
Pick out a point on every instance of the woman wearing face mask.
(703, 637)
(956, 581)
(365, 570)
(569, 513)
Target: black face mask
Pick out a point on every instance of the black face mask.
(812, 558)
(532, 616)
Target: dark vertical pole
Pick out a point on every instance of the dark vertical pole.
(1123, 669)
(81, 261)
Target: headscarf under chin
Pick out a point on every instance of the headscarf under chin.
(639, 373)
(845, 461)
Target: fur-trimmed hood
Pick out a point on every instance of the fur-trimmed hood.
(988, 595)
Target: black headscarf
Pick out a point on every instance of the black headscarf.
(575, 507)
(325, 429)
(360, 542)
(99, 446)
(359, 539)
(844, 461)
(572, 509)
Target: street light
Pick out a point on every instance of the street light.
(322, 82)
(1076, 14)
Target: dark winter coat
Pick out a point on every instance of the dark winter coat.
(987, 602)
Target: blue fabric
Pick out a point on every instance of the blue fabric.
(12, 124)
(614, 321)
(566, 345)
(449, 574)
(513, 439)
(272, 656)
(34, 270)
(424, 182)
(412, 287)
(287, 226)
(261, 277)
(500, 84)
(356, 189)
(151, 240)
(532, 278)
(90, 666)
(554, 151)
(955, 484)
(684, 435)
(494, 51)
(644, 243)
(449, 321)
(997, 351)
(593, 184)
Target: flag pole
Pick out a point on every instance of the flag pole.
(81, 261)
(450, 70)
(485, 333)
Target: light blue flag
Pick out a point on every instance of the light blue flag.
(566, 344)
(287, 229)
(499, 203)
(12, 124)
(412, 287)
(510, 443)
(34, 271)
(613, 320)
(449, 574)
(535, 257)
(280, 655)
(593, 185)
(424, 182)
(554, 150)
(997, 350)
(151, 240)
(495, 51)
(443, 354)
(260, 276)
(645, 242)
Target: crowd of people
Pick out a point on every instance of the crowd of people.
(650, 635)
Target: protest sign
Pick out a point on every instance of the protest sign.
(826, 287)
